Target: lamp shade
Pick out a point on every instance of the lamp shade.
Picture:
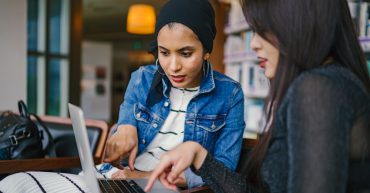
(141, 19)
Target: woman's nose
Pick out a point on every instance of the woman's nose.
(175, 65)
(255, 44)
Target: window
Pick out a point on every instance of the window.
(48, 56)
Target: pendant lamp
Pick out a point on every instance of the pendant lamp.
(141, 19)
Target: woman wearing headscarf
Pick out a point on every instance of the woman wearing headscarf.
(179, 98)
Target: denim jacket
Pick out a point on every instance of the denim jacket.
(214, 117)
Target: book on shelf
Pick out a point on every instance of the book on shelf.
(253, 81)
(235, 20)
(237, 48)
(234, 71)
(251, 78)
(361, 17)
(253, 113)
(255, 88)
(233, 44)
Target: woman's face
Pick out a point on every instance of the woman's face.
(181, 55)
(268, 55)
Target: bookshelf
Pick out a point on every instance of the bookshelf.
(241, 65)
(241, 62)
(360, 12)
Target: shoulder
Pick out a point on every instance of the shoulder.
(144, 73)
(223, 78)
(314, 80)
(146, 70)
(333, 82)
(223, 81)
(333, 76)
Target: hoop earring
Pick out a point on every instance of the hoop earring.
(205, 67)
(159, 68)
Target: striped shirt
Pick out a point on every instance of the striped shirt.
(172, 132)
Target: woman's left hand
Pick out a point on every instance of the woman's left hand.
(175, 162)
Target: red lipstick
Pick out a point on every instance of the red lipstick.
(262, 62)
(178, 79)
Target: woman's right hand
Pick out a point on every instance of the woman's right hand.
(175, 162)
(123, 143)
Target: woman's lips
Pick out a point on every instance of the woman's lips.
(262, 62)
(178, 79)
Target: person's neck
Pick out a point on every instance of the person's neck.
(328, 60)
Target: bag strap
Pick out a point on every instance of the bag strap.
(23, 111)
(50, 147)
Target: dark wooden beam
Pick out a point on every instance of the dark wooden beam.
(75, 71)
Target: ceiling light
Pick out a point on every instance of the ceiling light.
(141, 19)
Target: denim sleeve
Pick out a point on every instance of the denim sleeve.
(193, 180)
(228, 145)
(126, 112)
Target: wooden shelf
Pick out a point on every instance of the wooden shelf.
(236, 28)
(365, 43)
(240, 57)
(256, 94)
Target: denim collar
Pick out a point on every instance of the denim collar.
(157, 90)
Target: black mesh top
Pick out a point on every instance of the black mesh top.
(320, 139)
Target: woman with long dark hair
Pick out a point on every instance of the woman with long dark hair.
(317, 133)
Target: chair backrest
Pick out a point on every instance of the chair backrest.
(64, 140)
(248, 145)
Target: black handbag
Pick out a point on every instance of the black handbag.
(21, 138)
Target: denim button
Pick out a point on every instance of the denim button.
(166, 104)
(143, 141)
(213, 125)
(138, 115)
(155, 125)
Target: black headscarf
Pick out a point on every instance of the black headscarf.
(199, 16)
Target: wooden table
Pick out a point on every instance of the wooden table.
(43, 164)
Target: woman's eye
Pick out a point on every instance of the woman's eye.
(186, 54)
(164, 53)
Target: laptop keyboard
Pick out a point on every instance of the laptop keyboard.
(121, 186)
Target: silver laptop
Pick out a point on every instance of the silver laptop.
(98, 185)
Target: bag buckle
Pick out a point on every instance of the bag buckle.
(13, 140)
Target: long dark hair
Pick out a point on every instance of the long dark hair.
(307, 33)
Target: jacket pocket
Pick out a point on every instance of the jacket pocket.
(211, 123)
(142, 114)
(145, 120)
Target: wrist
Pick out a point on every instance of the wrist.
(200, 156)
(127, 129)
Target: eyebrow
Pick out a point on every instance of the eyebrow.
(191, 48)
